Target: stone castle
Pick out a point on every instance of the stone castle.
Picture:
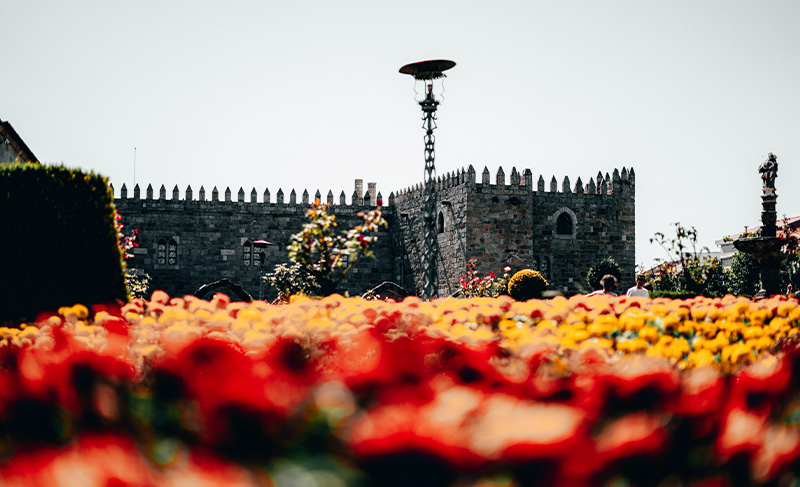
(560, 230)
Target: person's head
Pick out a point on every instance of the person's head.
(640, 280)
(608, 282)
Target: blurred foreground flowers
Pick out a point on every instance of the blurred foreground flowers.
(345, 391)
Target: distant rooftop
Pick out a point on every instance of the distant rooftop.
(792, 223)
(19, 150)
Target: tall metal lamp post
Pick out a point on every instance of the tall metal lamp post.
(428, 71)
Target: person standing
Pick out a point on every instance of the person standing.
(609, 282)
(639, 289)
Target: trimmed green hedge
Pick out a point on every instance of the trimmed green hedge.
(679, 294)
(58, 240)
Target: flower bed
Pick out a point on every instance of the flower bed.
(344, 391)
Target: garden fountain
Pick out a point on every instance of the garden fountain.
(767, 249)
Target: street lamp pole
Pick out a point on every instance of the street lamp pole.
(429, 71)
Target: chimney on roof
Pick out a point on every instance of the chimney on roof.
(360, 190)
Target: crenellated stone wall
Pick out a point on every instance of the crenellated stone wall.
(212, 238)
(512, 223)
(558, 229)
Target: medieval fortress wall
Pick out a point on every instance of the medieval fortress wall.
(217, 238)
(560, 229)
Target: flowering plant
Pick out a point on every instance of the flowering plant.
(136, 283)
(320, 257)
(472, 284)
(688, 268)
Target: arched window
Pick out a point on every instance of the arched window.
(564, 224)
(161, 252)
(247, 253)
(440, 223)
(172, 252)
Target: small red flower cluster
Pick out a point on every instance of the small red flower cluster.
(126, 242)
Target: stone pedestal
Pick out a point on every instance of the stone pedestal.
(768, 214)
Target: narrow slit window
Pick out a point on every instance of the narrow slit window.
(247, 253)
(259, 257)
(161, 252)
(172, 252)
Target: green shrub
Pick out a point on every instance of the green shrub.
(672, 294)
(58, 243)
(526, 284)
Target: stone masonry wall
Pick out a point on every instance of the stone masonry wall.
(211, 237)
(408, 234)
(560, 230)
(604, 226)
(512, 223)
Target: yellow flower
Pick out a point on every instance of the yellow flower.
(760, 343)
(752, 332)
(631, 320)
(599, 329)
(778, 324)
(699, 314)
(677, 348)
(732, 326)
(577, 336)
(507, 325)
(717, 344)
(648, 333)
(249, 314)
(759, 317)
(701, 358)
(736, 353)
(741, 307)
(785, 308)
(687, 326)
(632, 345)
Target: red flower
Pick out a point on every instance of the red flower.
(701, 398)
(510, 429)
(741, 433)
(434, 424)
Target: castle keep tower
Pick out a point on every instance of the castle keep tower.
(559, 229)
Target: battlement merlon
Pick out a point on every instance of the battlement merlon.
(358, 198)
(599, 185)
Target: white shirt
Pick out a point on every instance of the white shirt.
(635, 291)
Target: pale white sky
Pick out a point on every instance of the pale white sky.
(306, 95)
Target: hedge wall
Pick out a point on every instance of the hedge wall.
(58, 240)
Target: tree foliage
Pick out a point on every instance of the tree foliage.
(743, 278)
(320, 257)
(688, 268)
(790, 271)
(599, 269)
